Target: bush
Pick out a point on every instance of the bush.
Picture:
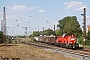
(1, 37)
(80, 40)
(34, 40)
(9, 40)
(88, 38)
(88, 42)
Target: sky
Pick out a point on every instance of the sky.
(36, 14)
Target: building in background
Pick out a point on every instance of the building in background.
(88, 28)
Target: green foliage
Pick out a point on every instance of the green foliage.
(58, 32)
(30, 36)
(9, 40)
(70, 24)
(88, 38)
(45, 32)
(35, 33)
(24, 36)
(34, 40)
(48, 32)
(1, 37)
(88, 35)
(80, 39)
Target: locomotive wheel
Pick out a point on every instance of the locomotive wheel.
(76, 47)
(62, 45)
(57, 44)
(67, 46)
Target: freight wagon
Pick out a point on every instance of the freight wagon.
(47, 39)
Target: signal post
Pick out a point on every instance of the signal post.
(84, 27)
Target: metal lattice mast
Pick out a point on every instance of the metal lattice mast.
(1, 25)
(4, 26)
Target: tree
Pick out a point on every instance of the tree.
(70, 24)
(45, 32)
(48, 32)
(58, 32)
(35, 33)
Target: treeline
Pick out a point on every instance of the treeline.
(68, 24)
(8, 38)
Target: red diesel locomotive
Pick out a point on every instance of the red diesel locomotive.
(67, 40)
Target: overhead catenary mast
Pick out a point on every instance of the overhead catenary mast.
(4, 26)
(1, 25)
(26, 33)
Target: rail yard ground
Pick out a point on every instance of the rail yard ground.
(27, 52)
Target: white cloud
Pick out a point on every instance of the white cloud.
(32, 8)
(41, 11)
(16, 16)
(19, 7)
(75, 5)
(88, 17)
(88, 20)
(12, 11)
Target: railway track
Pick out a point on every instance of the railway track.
(74, 53)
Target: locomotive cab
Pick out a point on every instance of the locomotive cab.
(71, 41)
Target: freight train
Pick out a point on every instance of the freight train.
(67, 40)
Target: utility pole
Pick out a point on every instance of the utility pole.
(54, 30)
(43, 31)
(85, 23)
(84, 27)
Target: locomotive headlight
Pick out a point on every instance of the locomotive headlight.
(72, 38)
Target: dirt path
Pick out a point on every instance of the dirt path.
(25, 52)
